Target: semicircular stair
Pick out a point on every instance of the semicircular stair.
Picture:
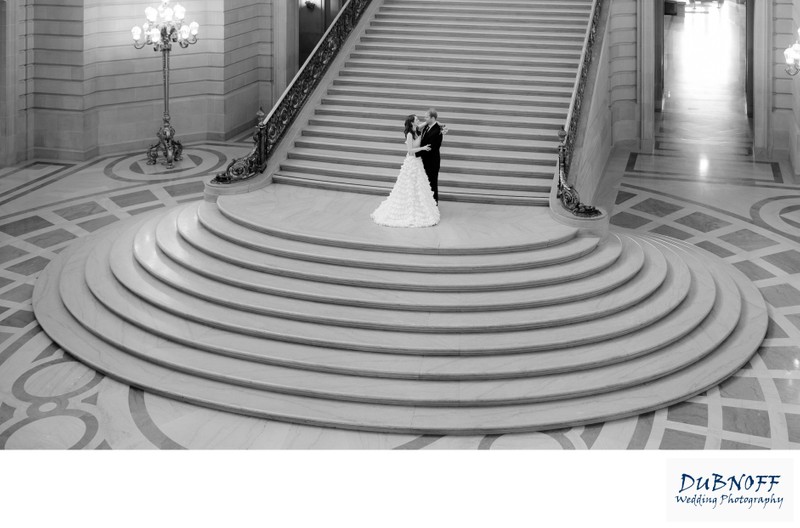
(288, 304)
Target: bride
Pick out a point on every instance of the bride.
(411, 203)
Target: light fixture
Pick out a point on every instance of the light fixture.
(792, 55)
(163, 27)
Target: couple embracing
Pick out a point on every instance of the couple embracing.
(414, 199)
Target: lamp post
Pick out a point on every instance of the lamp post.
(164, 26)
(792, 55)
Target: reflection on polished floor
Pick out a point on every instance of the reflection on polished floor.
(700, 184)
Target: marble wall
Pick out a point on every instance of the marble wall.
(622, 65)
(87, 91)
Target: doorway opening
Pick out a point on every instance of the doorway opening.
(704, 76)
(315, 17)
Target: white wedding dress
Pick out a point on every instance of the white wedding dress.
(411, 203)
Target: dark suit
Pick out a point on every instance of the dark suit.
(431, 158)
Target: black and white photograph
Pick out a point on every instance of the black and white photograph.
(334, 248)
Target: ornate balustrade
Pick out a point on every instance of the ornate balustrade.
(567, 193)
(271, 128)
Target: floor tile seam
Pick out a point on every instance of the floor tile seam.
(793, 333)
(776, 410)
(751, 224)
(713, 429)
(107, 193)
(657, 429)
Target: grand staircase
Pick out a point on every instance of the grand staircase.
(288, 303)
(501, 75)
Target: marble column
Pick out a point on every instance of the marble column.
(13, 83)
(762, 77)
(285, 34)
(647, 73)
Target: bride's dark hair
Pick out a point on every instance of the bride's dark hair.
(409, 126)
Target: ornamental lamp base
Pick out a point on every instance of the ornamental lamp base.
(167, 144)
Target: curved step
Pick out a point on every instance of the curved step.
(294, 279)
(337, 219)
(149, 253)
(196, 226)
(666, 298)
(177, 329)
(239, 372)
(532, 309)
(253, 317)
(734, 352)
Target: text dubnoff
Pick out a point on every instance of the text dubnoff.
(717, 490)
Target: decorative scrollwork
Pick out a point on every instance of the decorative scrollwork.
(171, 147)
(271, 130)
(567, 193)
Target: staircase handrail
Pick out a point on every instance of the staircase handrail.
(271, 128)
(567, 193)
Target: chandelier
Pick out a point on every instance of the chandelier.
(792, 55)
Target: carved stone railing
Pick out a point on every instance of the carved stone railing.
(567, 193)
(270, 129)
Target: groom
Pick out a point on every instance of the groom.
(431, 136)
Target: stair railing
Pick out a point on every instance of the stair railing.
(567, 193)
(271, 128)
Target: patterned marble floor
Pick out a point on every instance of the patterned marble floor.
(700, 184)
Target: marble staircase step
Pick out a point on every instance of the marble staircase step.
(224, 396)
(336, 218)
(516, 5)
(437, 56)
(455, 139)
(494, 195)
(413, 339)
(253, 316)
(372, 417)
(486, 42)
(253, 244)
(436, 96)
(498, 35)
(414, 67)
(170, 266)
(241, 372)
(177, 329)
(502, 79)
(568, 30)
(397, 149)
(564, 54)
(455, 182)
(450, 107)
(486, 124)
(509, 170)
(483, 17)
(321, 280)
(390, 124)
